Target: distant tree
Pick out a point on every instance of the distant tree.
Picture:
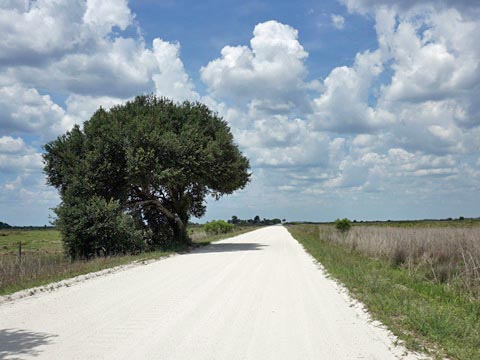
(216, 227)
(4, 225)
(157, 159)
(256, 219)
(343, 225)
(235, 220)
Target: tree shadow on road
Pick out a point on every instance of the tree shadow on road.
(17, 342)
(229, 247)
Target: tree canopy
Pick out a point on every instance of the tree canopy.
(150, 159)
(4, 225)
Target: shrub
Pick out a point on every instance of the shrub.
(218, 227)
(343, 225)
(97, 227)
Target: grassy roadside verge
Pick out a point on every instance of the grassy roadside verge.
(204, 239)
(41, 268)
(45, 269)
(423, 314)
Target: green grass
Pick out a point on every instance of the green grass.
(200, 237)
(48, 240)
(43, 261)
(423, 314)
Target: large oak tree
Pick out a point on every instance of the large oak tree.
(158, 159)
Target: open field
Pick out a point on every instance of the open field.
(44, 241)
(43, 260)
(448, 223)
(448, 255)
(457, 223)
(421, 282)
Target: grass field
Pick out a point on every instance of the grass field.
(43, 260)
(457, 223)
(426, 312)
(45, 241)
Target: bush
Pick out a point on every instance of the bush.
(343, 225)
(4, 225)
(218, 227)
(97, 227)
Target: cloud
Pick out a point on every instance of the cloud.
(338, 21)
(36, 32)
(24, 110)
(171, 80)
(363, 133)
(121, 67)
(9, 145)
(369, 6)
(78, 47)
(103, 15)
(283, 142)
(343, 106)
(76, 50)
(271, 71)
(22, 183)
(434, 59)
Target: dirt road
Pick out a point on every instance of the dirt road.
(255, 296)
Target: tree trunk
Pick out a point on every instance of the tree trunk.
(179, 226)
(180, 231)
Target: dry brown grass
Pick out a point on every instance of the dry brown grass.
(40, 268)
(443, 255)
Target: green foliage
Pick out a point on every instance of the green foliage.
(97, 227)
(343, 225)
(4, 225)
(158, 159)
(216, 227)
(255, 221)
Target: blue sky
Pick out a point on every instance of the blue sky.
(364, 109)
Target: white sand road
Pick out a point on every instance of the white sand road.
(254, 296)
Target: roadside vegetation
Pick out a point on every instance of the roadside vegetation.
(43, 260)
(255, 221)
(421, 281)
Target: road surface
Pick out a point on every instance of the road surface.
(254, 296)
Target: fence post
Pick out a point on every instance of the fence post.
(20, 252)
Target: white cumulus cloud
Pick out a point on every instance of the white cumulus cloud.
(271, 71)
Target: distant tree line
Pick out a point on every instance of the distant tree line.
(4, 225)
(255, 221)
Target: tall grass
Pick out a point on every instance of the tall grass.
(440, 254)
(40, 268)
